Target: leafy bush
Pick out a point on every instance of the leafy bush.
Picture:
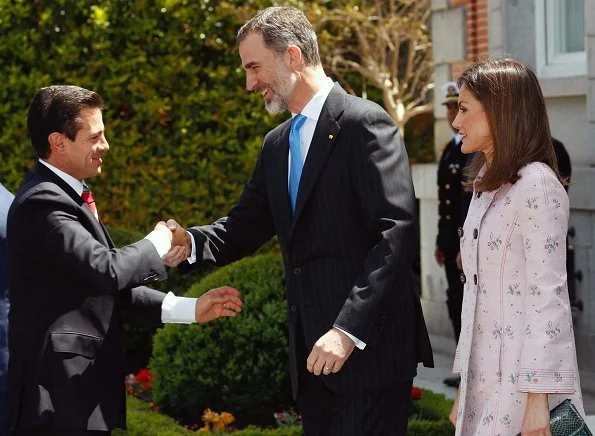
(184, 132)
(239, 365)
(142, 421)
(429, 416)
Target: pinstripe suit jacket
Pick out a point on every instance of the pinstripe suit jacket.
(349, 248)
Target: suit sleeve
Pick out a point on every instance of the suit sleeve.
(546, 363)
(384, 190)
(246, 228)
(53, 230)
(142, 305)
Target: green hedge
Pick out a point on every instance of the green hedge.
(184, 133)
(238, 365)
(142, 421)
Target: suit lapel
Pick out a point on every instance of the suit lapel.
(325, 135)
(49, 175)
(279, 171)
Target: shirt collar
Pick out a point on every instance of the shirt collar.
(75, 184)
(314, 107)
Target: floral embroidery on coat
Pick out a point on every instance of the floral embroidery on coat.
(516, 334)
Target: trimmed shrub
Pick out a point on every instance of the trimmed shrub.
(142, 421)
(184, 132)
(238, 365)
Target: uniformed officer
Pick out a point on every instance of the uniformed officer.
(452, 210)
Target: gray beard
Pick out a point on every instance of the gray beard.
(281, 94)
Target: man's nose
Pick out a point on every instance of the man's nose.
(251, 82)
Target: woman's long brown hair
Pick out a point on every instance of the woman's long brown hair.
(510, 94)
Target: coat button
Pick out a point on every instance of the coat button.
(447, 201)
(475, 232)
(297, 271)
(463, 278)
(447, 217)
(293, 308)
(460, 232)
(474, 279)
(447, 186)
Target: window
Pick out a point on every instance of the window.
(560, 26)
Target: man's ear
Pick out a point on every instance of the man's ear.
(57, 143)
(295, 58)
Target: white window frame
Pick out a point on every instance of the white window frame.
(549, 63)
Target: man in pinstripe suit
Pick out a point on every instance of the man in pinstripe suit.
(356, 330)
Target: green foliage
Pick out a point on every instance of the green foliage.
(429, 415)
(236, 365)
(430, 428)
(433, 405)
(184, 133)
(142, 421)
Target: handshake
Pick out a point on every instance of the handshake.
(181, 245)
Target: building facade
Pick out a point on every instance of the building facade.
(556, 38)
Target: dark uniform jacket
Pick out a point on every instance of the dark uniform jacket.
(453, 201)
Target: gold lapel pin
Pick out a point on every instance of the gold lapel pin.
(330, 136)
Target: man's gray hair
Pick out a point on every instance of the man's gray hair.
(282, 26)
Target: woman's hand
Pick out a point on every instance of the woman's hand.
(455, 408)
(536, 421)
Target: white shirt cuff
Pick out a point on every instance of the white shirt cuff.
(180, 310)
(160, 241)
(359, 344)
(192, 258)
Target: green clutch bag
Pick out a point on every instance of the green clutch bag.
(566, 421)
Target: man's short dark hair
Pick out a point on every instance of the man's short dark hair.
(57, 109)
(282, 26)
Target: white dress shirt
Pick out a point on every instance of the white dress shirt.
(173, 309)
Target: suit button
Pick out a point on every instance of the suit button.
(447, 217)
(474, 279)
(293, 308)
(447, 186)
(475, 233)
(463, 278)
(447, 201)
(297, 271)
(460, 232)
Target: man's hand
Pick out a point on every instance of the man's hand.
(439, 255)
(536, 421)
(330, 353)
(218, 302)
(181, 244)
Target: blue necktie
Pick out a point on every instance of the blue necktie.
(295, 172)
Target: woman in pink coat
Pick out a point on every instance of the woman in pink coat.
(516, 354)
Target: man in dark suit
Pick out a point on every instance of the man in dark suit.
(453, 203)
(5, 200)
(334, 184)
(70, 288)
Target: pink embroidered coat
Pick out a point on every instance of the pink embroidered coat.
(517, 334)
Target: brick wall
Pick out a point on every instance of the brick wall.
(477, 27)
